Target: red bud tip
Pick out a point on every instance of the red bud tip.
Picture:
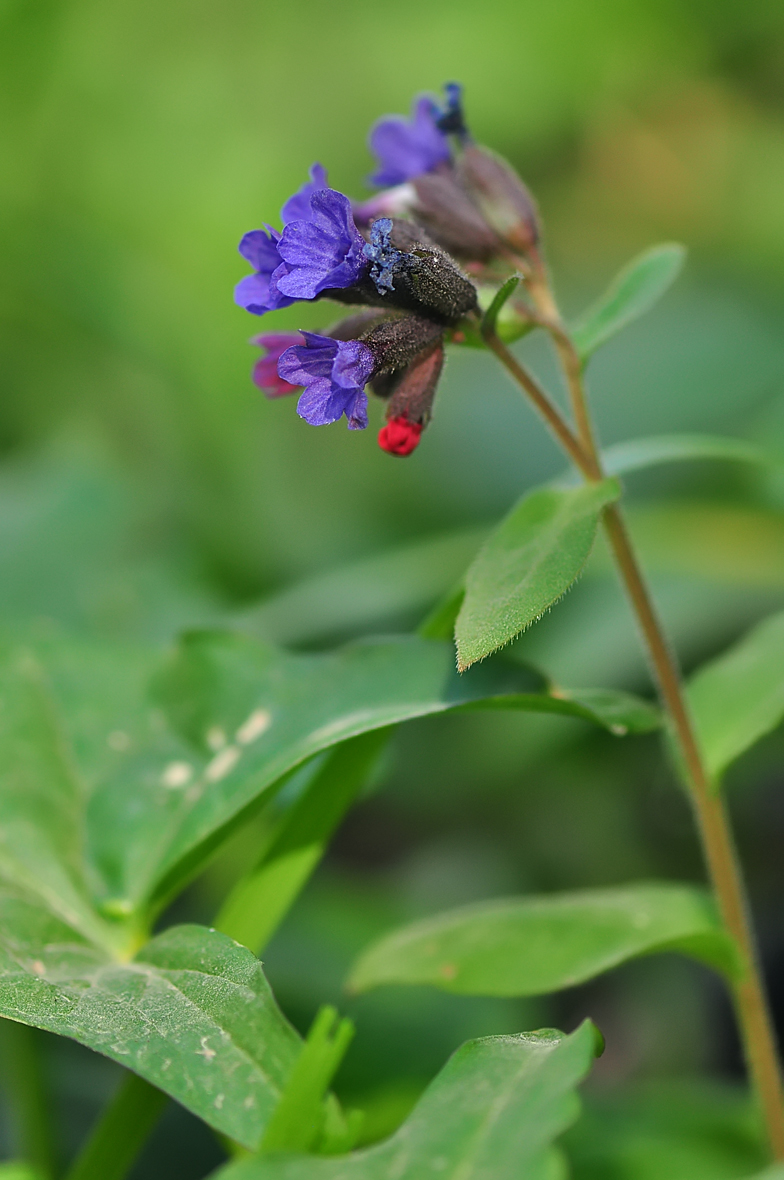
(400, 437)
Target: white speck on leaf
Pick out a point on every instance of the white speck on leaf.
(177, 774)
(206, 1052)
(219, 1102)
(257, 724)
(222, 764)
(37, 967)
(118, 740)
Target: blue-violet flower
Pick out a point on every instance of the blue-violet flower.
(259, 292)
(407, 148)
(323, 252)
(334, 373)
(297, 208)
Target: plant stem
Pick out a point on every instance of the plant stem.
(120, 1133)
(26, 1094)
(712, 821)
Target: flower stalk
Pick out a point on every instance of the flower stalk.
(713, 825)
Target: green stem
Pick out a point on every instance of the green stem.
(120, 1133)
(712, 820)
(27, 1096)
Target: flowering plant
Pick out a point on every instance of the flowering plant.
(117, 792)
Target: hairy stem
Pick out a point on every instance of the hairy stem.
(120, 1133)
(712, 821)
(26, 1095)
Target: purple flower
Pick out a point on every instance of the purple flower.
(334, 373)
(322, 252)
(297, 208)
(265, 371)
(259, 292)
(407, 148)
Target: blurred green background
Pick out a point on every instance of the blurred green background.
(145, 484)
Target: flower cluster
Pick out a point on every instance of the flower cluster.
(396, 255)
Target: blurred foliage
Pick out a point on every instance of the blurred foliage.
(146, 486)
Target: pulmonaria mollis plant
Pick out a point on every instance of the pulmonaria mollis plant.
(448, 218)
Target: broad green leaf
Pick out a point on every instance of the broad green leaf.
(739, 697)
(638, 453)
(18, 1170)
(529, 946)
(192, 1012)
(493, 1113)
(633, 292)
(527, 564)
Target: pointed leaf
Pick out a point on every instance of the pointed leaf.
(739, 697)
(192, 1013)
(529, 946)
(527, 563)
(633, 292)
(492, 1113)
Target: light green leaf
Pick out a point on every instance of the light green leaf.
(739, 697)
(529, 946)
(632, 292)
(493, 1111)
(18, 1170)
(254, 908)
(192, 1012)
(638, 453)
(526, 564)
(395, 584)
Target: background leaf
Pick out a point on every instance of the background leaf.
(636, 454)
(633, 292)
(739, 697)
(493, 1111)
(533, 945)
(526, 564)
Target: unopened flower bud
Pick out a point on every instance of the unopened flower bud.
(499, 192)
(400, 437)
(452, 218)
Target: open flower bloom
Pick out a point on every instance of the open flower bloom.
(334, 373)
(408, 147)
(265, 371)
(323, 252)
(258, 292)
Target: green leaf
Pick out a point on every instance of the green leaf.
(639, 453)
(739, 697)
(254, 908)
(527, 564)
(504, 292)
(298, 1119)
(395, 584)
(192, 1013)
(18, 1170)
(632, 292)
(618, 712)
(529, 946)
(493, 1111)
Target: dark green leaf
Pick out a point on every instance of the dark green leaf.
(192, 1012)
(493, 1111)
(639, 453)
(527, 563)
(633, 292)
(533, 945)
(618, 712)
(739, 697)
